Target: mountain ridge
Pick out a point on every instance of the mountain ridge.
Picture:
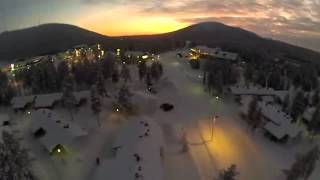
(50, 38)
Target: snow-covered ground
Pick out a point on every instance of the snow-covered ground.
(212, 146)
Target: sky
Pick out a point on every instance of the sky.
(293, 21)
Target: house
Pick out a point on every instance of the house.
(22, 102)
(138, 150)
(55, 134)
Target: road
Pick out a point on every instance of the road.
(255, 156)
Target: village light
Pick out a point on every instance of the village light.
(117, 110)
(217, 97)
(145, 57)
(59, 150)
(28, 112)
(12, 67)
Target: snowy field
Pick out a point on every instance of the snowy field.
(210, 149)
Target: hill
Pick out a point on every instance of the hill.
(44, 39)
(49, 38)
(214, 34)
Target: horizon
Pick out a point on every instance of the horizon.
(294, 22)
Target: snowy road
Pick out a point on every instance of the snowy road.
(255, 156)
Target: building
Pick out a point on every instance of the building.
(55, 134)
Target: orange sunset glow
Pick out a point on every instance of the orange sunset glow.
(292, 21)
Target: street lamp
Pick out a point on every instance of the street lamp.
(214, 120)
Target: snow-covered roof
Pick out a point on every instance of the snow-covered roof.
(21, 101)
(58, 131)
(308, 113)
(133, 143)
(280, 124)
(47, 100)
(274, 113)
(286, 128)
(253, 90)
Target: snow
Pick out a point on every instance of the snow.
(56, 133)
(147, 103)
(129, 143)
(21, 101)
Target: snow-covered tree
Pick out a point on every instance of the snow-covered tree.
(101, 86)
(95, 102)
(229, 174)
(63, 72)
(314, 125)
(125, 73)
(68, 98)
(142, 70)
(14, 160)
(304, 165)
(124, 98)
(6, 91)
(115, 74)
(298, 106)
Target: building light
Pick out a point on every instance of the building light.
(102, 53)
(145, 57)
(29, 112)
(117, 110)
(59, 150)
